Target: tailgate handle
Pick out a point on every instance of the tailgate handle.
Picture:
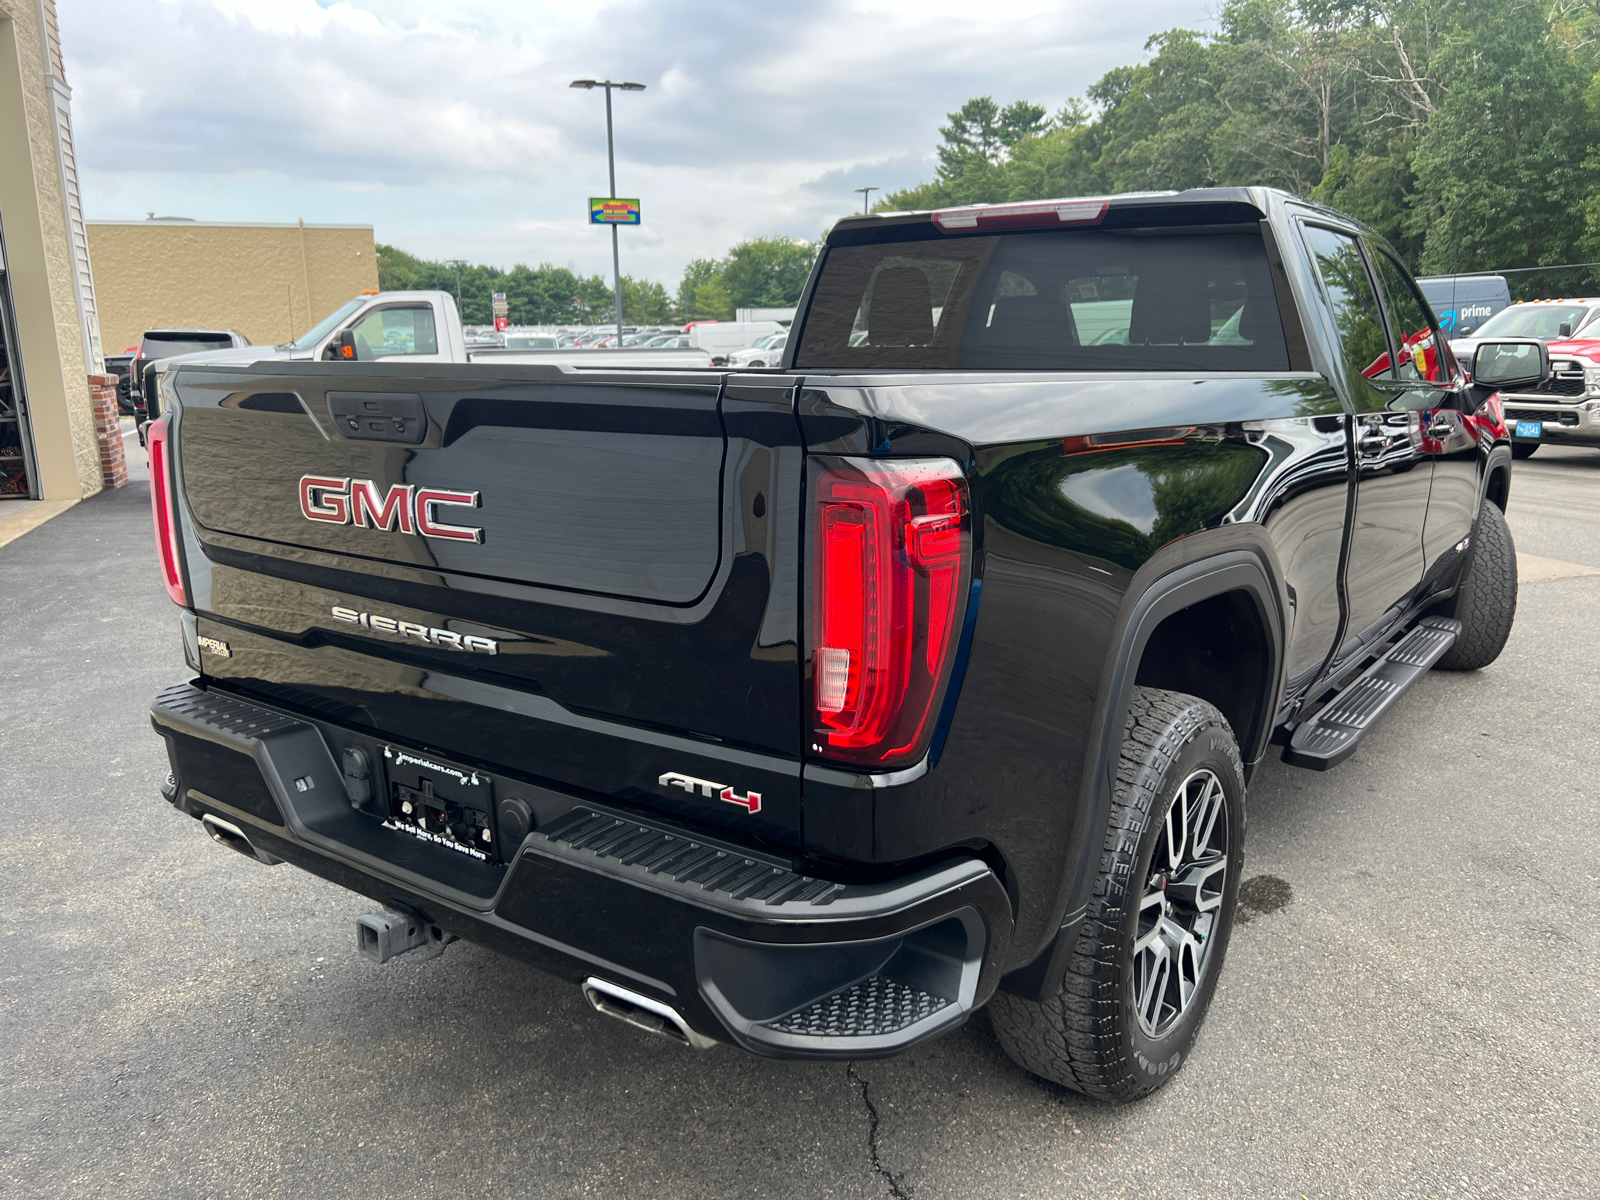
(379, 416)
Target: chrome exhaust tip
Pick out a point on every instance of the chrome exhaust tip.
(641, 1012)
(225, 833)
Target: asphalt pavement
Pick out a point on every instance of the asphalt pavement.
(1410, 1009)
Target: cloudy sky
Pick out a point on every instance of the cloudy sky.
(449, 126)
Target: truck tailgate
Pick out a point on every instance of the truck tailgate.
(626, 547)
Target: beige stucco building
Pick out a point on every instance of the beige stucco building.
(50, 448)
(270, 282)
(60, 315)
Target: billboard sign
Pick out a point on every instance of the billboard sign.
(607, 210)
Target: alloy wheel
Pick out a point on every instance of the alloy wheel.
(1182, 903)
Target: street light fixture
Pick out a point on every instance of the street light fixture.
(866, 196)
(611, 168)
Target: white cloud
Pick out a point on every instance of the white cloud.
(277, 16)
(448, 124)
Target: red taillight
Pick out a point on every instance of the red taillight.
(161, 506)
(892, 563)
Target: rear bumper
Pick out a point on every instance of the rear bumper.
(745, 947)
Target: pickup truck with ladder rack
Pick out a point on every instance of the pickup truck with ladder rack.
(812, 708)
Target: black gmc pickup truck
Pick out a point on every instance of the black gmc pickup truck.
(811, 709)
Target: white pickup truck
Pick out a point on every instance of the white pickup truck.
(417, 327)
(410, 327)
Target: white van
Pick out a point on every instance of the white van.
(724, 337)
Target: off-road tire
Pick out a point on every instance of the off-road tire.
(1520, 450)
(1087, 1037)
(1486, 601)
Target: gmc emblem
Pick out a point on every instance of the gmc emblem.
(750, 801)
(404, 507)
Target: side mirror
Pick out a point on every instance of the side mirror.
(1465, 330)
(1519, 363)
(341, 348)
(1564, 329)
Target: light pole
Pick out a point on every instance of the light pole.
(457, 263)
(611, 168)
(866, 196)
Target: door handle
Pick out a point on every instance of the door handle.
(1372, 441)
(1440, 429)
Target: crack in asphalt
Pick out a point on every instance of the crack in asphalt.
(896, 1189)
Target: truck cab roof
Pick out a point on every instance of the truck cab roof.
(1068, 210)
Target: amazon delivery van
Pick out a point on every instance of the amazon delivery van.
(1463, 302)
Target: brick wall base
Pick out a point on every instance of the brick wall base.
(108, 430)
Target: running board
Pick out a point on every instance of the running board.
(1332, 736)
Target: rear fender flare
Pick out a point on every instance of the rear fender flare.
(1498, 462)
(1174, 587)
(1233, 559)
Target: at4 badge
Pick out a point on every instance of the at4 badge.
(750, 801)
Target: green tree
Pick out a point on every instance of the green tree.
(978, 147)
(973, 136)
(1500, 171)
(645, 302)
(1157, 119)
(701, 273)
(1063, 162)
(399, 271)
(711, 301)
(767, 272)
(542, 295)
(1376, 188)
(1459, 129)
(980, 130)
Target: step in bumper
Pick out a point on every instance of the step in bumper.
(747, 947)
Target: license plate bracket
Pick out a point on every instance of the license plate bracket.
(441, 803)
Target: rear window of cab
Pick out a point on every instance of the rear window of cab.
(1054, 300)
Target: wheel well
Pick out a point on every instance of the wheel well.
(1499, 489)
(1219, 650)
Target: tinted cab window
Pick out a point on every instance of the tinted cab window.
(1420, 352)
(1351, 299)
(1073, 300)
